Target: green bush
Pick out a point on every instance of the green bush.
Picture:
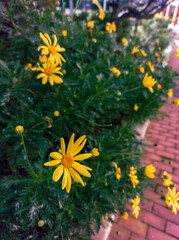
(92, 101)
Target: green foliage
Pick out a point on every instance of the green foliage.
(91, 101)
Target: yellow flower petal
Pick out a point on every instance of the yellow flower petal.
(87, 168)
(48, 38)
(79, 148)
(44, 39)
(68, 186)
(51, 81)
(57, 173)
(78, 142)
(82, 156)
(78, 167)
(55, 155)
(76, 176)
(55, 40)
(151, 89)
(52, 163)
(44, 80)
(62, 145)
(64, 181)
(41, 75)
(70, 144)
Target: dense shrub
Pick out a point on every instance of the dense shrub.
(91, 101)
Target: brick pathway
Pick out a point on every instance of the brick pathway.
(155, 221)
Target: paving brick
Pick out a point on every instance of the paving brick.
(136, 237)
(152, 219)
(172, 229)
(154, 234)
(150, 149)
(173, 140)
(176, 171)
(165, 213)
(134, 225)
(156, 196)
(119, 233)
(147, 205)
(167, 143)
(175, 179)
(157, 136)
(167, 126)
(174, 133)
(153, 157)
(165, 167)
(174, 164)
(165, 154)
(172, 150)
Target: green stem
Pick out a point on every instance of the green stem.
(131, 89)
(77, 4)
(129, 153)
(27, 156)
(99, 125)
(149, 198)
(36, 125)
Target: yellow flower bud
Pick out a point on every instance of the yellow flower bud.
(94, 40)
(125, 215)
(159, 86)
(136, 107)
(19, 129)
(64, 33)
(56, 113)
(28, 66)
(95, 152)
(106, 217)
(41, 223)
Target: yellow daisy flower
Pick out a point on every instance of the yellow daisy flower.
(143, 53)
(66, 162)
(149, 82)
(176, 102)
(115, 71)
(170, 93)
(151, 66)
(124, 41)
(133, 177)
(135, 50)
(90, 24)
(172, 199)
(48, 73)
(136, 107)
(118, 172)
(167, 179)
(53, 50)
(111, 27)
(135, 206)
(141, 68)
(149, 171)
(177, 50)
(101, 14)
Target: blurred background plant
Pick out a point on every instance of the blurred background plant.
(93, 100)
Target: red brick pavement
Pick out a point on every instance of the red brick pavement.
(156, 221)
